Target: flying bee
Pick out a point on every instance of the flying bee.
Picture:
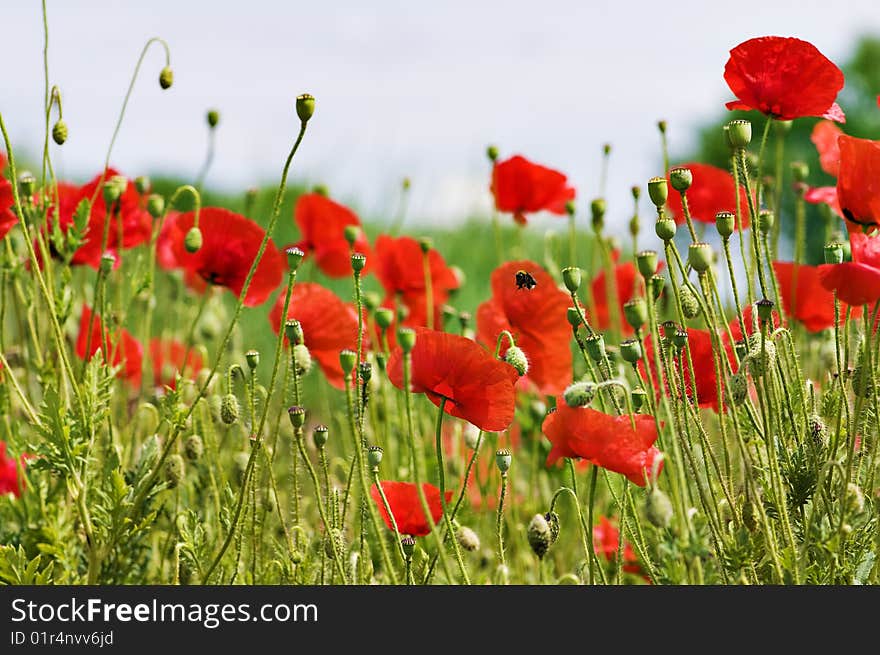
(525, 280)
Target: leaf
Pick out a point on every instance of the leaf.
(863, 570)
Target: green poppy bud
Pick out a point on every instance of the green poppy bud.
(762, 356)
(517, 358)
(635, 312)
(658, 509)
(27, 184)
(570, 208)
(766, 219)
(681, 178)
(657, 284)
(384, 317)
(700, 256)
(193, 240)
(193, 447)
(538, 533)
(372, 300)
(302, 359)
(426, 244)
(305, 107)
(690, 306)
(799, 171)
(113, 189)
(59, 132)
(597, 210)
(658, 191)
(665, 228)
(174, 470)
(638, 397)
(596, 347)
(579, 394)
(739, 388)
(229, 409)
(406, 337)
(213, 118)
(739, 133)
(646, 261)
(347, 359)
(492, 153)
(156, 205)
(573, 316)
(351, 233)
(631, 351)
(571, 276)
(467, 538)
(166, 77)
(141, 184)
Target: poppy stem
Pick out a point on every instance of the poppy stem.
(387, 506)
(734, 165)
(499, 524)
(450, 531)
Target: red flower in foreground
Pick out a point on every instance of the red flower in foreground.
(605, 541)
(125, 350)
(856, 282)
(521, 187)
(9, 480)
(700, 344)
(403, 499)
(858, 183)
(322, 224)
(169, 358)
(803, 296)
(230, 243)
(401, 270)
(476, 386)
(537, 320)
(7, 216)
(713, 190)
(784, 78)
(824, 137)
(607, 441)
(328, 324)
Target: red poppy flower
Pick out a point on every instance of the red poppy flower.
(856, 282)
(858, 184)
(824, 137)
(713, 190)
(7, 200)
(476, 386)
(537, 320)
(627, 282)
(401, 271)
(702, 354)
(230, 243)
(170, 358)
(803, 295)
(521, 187)
(784, 78)
(403, 499)
(605, 440)
(328, 324)
(9, 480)
(125, 350)
(827, 195)
(606, 537)
(322, 224)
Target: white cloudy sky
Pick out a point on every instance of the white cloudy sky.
(403, 88)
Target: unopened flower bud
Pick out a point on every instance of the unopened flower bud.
(358, 262)
(799, 171)
(59, 132)
(517, 358)
(374, 456)
(406, 337)
(426, 244)
(297, 416)
(570, 208)
(502, 460)
(166, 77)
(141, 184)
(658, 508)
(467, 538)
(302, 359)
(658, 191)
(193, 447)
(573, 316)
(596, 347)
(725, 222)
(27, 184)
(635, 312)
(193, 240)
(762, 355)
(646, 261)
(631, 351)
(347, 359)
(690, 306)
(833, 253)
(700, 256)
(156, 205)
(372, 300)
(320, 435)
(229, 409)
(305, 107)
(113, 189)
(538, 534)
(252, 357)
(471, 434)
(213, 117)
(739, 133)
(174, 470)
(739, 388)
(681, 178)
(665, 228)
(597, 210)
(492, 153)
(579, 394)
(294, 258)
(571, 276)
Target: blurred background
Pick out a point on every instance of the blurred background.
(408, 89)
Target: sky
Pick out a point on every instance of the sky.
(403, 89)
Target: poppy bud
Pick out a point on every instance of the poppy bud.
(471, 434)
(351, 233)
(570, 208)
(636, 312)
(661, 125)
(166, 77)
(597, 210)
(724, 223)
(193, 447)
(799, 171)
(579, 394)
(818, 431)
(59, 132)
(323, 191)
(408, 544)
(680, 339)
(107, 262)
(665, 228)
(372, 300)
(538, 534)
(571, 276)
(638, 396)
(658, 508)
(502, 460)
(384, 317)
(193, 240)
(333, 542)
(631, 351)
(213, 118)
(762, 355)
(657, 283)
(765, 309)
(252, 357)
(114, 188)
(492, 153)
(156, 205)
(855, 498)
(467, 538)
(174, 470)
(658, 191)
(634, 225)
(358, 261)
(302, 359)
(573, 316)
(293, 331)
(833, 253)
(766, 219)
(305, 107)
(739, 133)
(320, 435)
(229, 409)
(406, 337)
(690, 306)
(681, 179)
(347, 359)
(297, 416)
(517, 358)
(862, 382)
(426, 244)
(141, 184)
(700, 256)
(374, 456)
(647, 263)
(294, 257)
(27, 184)
(596, 347)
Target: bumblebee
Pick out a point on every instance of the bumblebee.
(525, 280)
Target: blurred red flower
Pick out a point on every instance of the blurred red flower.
(858, 182)
(521, 187)
(403, 499)
(826, 195)
(328, 324)
(856, 282)
(169, 358)
(803, 296)
(230, 243)
(7, 200)
(9, 480)
(476, 386)
(125, 350)
(824, 137)
(322, 224)
(607, 441)
(537, 320)
(784, 78)
(605, 541)
(401, 271)
(626, 281)
(713, 190)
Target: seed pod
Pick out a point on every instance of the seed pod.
(681, 178)
(503, 459)
(305, 107)
(647, 263)
(347, 359)
(552, 519)
(571, 276)
(739, 133)
(725, 223)
(658, 191)
(320, 435)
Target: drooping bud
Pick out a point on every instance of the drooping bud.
(739, 133)
(538, 534)
(320, 435)
(681, 178)
(305, 107)
(229, 409)
(631, 351)
(636, 312)
(174, 470)
(166, 77)
(517, 358)
(579, 394)
(646, 261)
(700, 256)
(193, 447)
(658, 191)
(665, 228)
(252, 357)
(156, 205)
(467, 538)
(690, 306)
(347, 359)
(213, 117)
(294, 258)
(725, 222)
(193, 240)
(59, 132)
(658, 508)
(406, 337)
(374, 456)
(502, 460)
(297, 416)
